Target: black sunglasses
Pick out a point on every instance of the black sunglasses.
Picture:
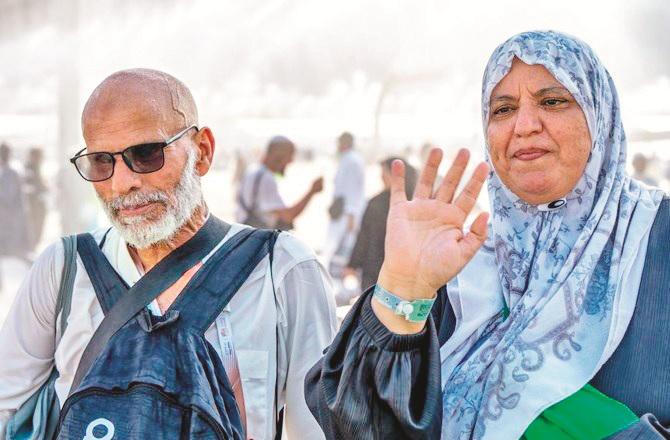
(142, 159)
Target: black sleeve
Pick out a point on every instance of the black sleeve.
(359, 253)
(374, 384)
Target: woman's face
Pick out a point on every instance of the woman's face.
(538, 137)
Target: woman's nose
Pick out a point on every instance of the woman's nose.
(527, 121)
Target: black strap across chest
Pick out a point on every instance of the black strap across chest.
(214, 285)
(254, 194)
(122, 303)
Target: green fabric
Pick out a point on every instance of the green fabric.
(586, 415)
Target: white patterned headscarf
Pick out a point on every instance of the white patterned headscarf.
(569, 277)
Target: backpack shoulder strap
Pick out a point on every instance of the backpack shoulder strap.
(64, 299)
(254, 193)
(150, 286)
(221, 277)
(251, 209)
(108, 285)
(255, 189)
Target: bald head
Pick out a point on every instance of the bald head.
(279, 154)
(142, 94)
(279, 145)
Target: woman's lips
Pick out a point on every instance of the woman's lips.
(529, 154)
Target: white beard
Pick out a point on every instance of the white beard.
(142, 233)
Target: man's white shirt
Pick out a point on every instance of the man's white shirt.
(267, 195)
(304, 310)
(350, 185)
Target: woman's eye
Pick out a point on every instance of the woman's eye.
(502, 110)
(553, 102)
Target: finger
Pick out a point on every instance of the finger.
(468, 197)
(448, 187)
(474, 239)
(424, 188)
(479, 226)
(398, 193)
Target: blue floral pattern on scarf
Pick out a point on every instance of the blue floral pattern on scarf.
(561, 272)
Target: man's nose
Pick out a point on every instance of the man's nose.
(124, 179)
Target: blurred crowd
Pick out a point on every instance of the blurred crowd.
(23, 205)
(353, 238)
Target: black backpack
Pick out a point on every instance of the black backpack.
(157, 377)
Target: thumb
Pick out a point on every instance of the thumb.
(474, 239)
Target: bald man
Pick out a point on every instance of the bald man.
(259, 202)
(149, 187)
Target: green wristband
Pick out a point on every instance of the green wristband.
(413, 311)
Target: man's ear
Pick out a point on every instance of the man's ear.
(206, 146)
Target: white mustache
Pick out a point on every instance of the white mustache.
(179, 202)
(134, 200)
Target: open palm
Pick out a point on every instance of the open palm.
(425, 244)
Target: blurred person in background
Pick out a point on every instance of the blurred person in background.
(240, 169)
(347, 206)
(14, 240)
(641, 170)
(368, 254)
(36, 192)
(259, 203)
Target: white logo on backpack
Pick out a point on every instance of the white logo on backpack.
(99, 422)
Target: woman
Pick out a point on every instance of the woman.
(556, 327)
(368, 253)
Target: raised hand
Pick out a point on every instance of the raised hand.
(317, 185)
(425, 244)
